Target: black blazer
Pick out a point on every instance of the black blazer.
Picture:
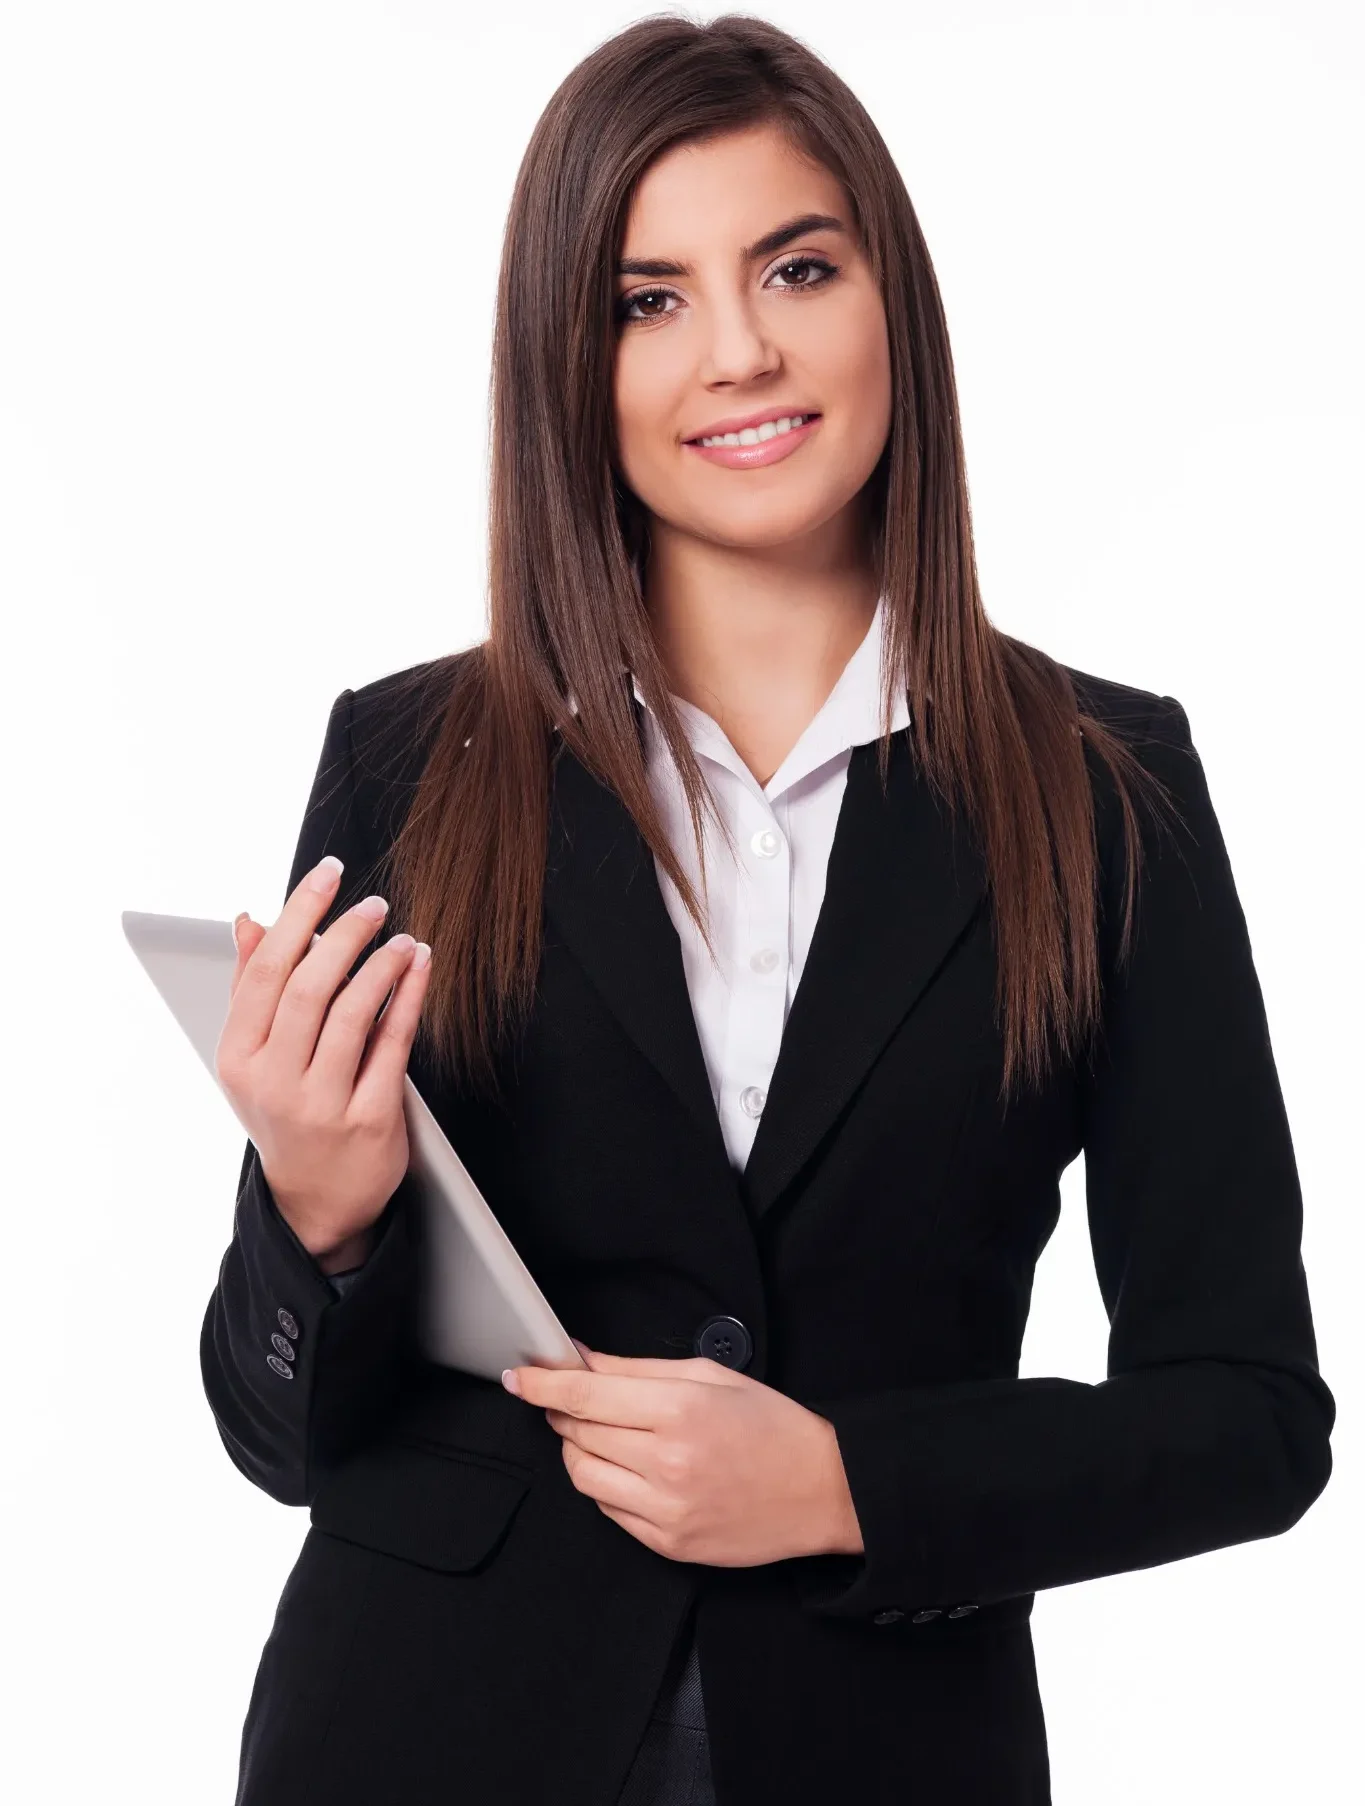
(463, 1624)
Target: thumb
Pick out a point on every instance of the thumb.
(247, 937)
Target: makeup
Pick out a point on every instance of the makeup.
(766, 451)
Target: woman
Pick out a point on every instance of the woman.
(791, 929)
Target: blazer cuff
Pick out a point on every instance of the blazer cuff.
(340, 1282)
(296, 1374)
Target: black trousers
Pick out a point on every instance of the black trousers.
(673, 1764)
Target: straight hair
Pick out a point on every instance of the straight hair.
(997, 727)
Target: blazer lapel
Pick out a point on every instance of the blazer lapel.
(903, 884)
(602, 893)
(901, 888)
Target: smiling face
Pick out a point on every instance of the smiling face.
(744, 292)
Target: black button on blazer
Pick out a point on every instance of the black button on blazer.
(463, 1624)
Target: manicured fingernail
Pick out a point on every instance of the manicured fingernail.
(325, 873)
(510, 1380)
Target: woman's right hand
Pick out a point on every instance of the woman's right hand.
(314, 1080)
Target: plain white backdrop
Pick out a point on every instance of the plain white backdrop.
(247, 267)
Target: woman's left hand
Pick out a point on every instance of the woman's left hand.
(697, 1461)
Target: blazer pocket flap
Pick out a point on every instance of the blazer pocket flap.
(441, 1507)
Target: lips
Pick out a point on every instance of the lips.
(773, 448)
(737, 423)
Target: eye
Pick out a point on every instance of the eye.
(803, 264)
(807, 264)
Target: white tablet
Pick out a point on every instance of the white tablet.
(481, 1310)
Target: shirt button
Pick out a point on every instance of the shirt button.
(766, 842)
(764, 960)
(752, 1100)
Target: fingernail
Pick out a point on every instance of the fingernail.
(237, 922)
(510, 1380)
(325, 873)
(580, 1346)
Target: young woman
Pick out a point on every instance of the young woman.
(792, 929)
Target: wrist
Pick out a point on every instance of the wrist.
(353, 1252)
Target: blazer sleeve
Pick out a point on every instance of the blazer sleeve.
(1213, 1425)
(341, 1349)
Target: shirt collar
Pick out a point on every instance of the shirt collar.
(849, 716)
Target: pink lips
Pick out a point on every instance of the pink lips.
(767, 451)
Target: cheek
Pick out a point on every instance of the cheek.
(857, 371)
(644, 399)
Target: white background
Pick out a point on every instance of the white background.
(247, 265)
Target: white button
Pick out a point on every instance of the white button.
(764, 960)
(766, 842)
(752, 1100)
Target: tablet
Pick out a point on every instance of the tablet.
(480, 1309)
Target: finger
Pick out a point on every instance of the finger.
(314, 982)
(247, 937)
(643, 1404)
(641, 1528)
(635, 1449)
(271, 964)
(645, 1367)
(609, 1484)
(350, 1021)
(384, 1063)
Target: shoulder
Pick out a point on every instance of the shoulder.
(1125, 709)
(1166, 782)
(394, 716)
(398, 699)
(1150, 723)
(393, 720)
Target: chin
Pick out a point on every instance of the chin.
(757, 522)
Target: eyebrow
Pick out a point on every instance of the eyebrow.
(761, 247)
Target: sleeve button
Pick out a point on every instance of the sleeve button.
(891, 1616)
(285, 1371)
(961, 1611)
(281, 1346)
(923, 1617)
(288, 1323)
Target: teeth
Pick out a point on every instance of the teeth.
(755, 435)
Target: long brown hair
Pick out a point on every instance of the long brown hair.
(996, 723)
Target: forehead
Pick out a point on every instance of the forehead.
(731, 188)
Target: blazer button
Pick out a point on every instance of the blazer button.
(925, 1616)
(288, 1323)
(888, 1617)
(281, 1346)
(961, 1611)
(724, 1339)
(285, 1371)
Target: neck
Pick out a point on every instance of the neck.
(745, 636)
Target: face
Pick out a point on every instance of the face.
(755, 314)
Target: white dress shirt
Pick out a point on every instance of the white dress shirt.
(764, 908)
